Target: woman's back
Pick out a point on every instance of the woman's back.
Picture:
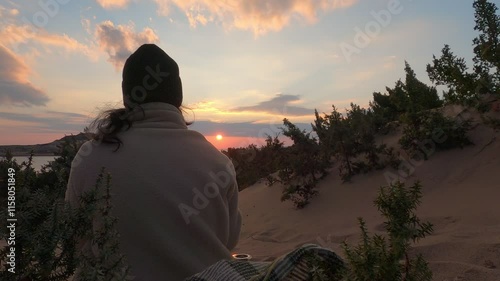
(174, 194)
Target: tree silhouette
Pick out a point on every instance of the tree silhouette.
(452, 71)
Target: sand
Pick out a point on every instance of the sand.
(461, 190)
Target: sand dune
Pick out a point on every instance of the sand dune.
(461, 190)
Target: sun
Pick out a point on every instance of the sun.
(219, 137)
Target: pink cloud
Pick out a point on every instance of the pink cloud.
(21, 34)
(113, 4)
(121, 40)
(15, 87)
(258, 16)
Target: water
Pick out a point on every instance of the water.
(38, 161)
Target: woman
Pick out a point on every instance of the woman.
(174, 194)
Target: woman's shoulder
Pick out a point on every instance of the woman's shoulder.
(88, 151)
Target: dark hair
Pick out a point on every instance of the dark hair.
(106, 126)
(108, 123)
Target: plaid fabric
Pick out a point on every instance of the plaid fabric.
(298, 265)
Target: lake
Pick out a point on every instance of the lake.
(38, 161)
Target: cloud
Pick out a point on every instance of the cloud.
(15, 88)
(12, 35)
(113, 4)
(49, 121)
(241, 129)
(7, 13)
(120, 41)
(258, 16)
(281, 104)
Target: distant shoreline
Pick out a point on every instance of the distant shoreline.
(47, 149)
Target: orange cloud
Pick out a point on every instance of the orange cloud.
(113, 4)
(15, 87)
(15, 34)
(121, 40)
(258, 16)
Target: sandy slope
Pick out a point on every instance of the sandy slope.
(461, 198)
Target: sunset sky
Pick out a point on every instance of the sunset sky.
(245, 65)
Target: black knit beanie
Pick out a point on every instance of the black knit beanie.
(150, 75)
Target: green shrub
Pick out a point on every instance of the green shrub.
(300, 193)
(351, 140)
(410, 95)
(302, 166)
(431, 126)
(465, 87)
(391, 158)
(109, 264)
(336, 137)
(48, 228)
(386, 257)
(253, 163)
